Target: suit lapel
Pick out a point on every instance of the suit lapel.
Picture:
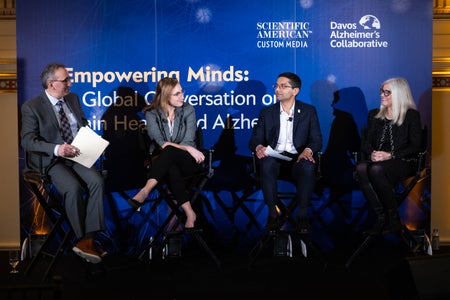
(48, 109)
(297, 114)
(276, 120)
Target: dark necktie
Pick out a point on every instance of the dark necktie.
(66, 132)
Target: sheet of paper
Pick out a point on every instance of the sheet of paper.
(91, 146)
(275, 154)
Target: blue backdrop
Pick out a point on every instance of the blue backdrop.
(227, 55)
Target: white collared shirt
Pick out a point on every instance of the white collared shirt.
(285, 139)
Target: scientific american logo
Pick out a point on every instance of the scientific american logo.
(362, 34)
(283, 34)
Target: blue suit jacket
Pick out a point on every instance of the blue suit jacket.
(306, 128)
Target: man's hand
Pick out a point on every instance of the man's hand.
(66, 150)
(306, 154)
(261, 151)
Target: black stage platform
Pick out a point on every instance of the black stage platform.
(380, 273)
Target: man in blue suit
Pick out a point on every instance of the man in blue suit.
(290, 128)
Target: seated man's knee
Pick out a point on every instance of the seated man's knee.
(304, 168)
(268, 165)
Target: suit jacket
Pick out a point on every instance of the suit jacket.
(306, 128)
(40, 130)
(184, 127)
(406, 139)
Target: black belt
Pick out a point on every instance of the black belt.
(289, 154)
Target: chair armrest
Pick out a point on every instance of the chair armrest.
(421, 162)
(208, 162)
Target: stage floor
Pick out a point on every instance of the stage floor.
(381, 272)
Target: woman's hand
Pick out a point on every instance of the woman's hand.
(196, 154)
(380, 155)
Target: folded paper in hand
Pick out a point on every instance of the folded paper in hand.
(276, 154)
(91, 146)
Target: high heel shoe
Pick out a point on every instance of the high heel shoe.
(135, 204)
(193, 228)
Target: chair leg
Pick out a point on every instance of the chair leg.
(255, 252)
(367, 241)
(46, 250)
(205, 246)
(49, 250)
(180, 217)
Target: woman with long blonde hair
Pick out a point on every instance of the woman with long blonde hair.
(171, 127)
(392, 144)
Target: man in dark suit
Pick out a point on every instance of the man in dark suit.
(82, 188)
(291, 128)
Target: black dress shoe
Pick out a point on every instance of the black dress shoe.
(272, 224)
(134, 203)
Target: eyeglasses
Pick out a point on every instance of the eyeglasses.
(177, 94)
(282, 86)
(66, 80)
(386, 93)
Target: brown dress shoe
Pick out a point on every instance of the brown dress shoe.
(86, 250)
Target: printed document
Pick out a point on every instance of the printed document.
(276, 154)
(91, 146)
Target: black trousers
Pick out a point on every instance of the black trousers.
(302, 174)
(174, 166)
(378, 180)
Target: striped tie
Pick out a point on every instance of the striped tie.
(66, 132)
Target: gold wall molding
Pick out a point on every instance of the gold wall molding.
(8, 9)
(8, 75)
(441, 72)
(8, 85)
(441, 9)
(441, 81)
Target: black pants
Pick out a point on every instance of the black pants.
(301, 173)
(174, 166)
(378, 180)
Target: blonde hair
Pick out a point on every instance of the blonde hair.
(401, 98)
(163, 93)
